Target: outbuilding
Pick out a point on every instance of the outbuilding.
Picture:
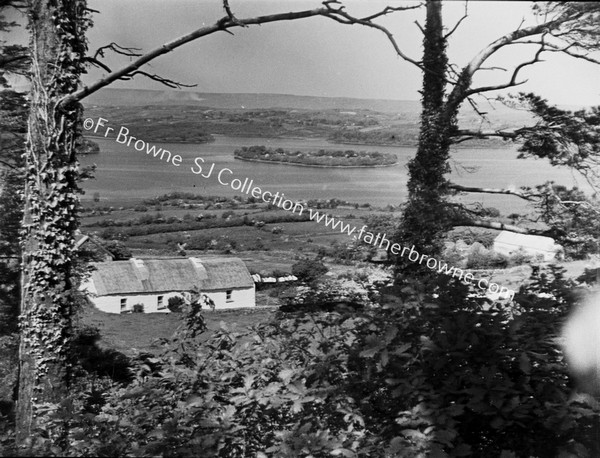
(115, 287)
(509, 243)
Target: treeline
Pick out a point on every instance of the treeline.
(405, 136)
(158, 225)
(322, 157)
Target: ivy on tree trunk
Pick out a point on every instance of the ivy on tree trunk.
(423, 221)
(58, 49)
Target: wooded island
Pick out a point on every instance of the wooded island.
(320, 158)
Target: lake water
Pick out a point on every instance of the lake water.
(125, 174)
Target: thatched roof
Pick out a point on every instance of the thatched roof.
(162, 275)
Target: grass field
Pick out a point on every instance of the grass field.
(138, 332)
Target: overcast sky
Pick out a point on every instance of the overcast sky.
(317, 56)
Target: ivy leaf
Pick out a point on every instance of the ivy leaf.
(285, 375)
(343, 452)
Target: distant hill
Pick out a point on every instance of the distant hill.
(141, 97)
(409, 109)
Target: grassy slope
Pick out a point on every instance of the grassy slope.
(137, 332)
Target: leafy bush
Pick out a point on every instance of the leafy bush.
(486, 259)
(138, 308)
(118, 250)
(326, 295)
(589, 276)
(175, 304)
(520, 257)
(308, 270)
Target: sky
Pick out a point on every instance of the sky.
(319, 57)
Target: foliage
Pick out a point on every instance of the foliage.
(326, 295)
(486, 259)
(573, 217)
(589, 276)
(563, 137)
(309, 270)
(175, 304)
(119, 251)
(138, 308)
(434, 373)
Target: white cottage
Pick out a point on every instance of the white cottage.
(509, 243)
(115, 287)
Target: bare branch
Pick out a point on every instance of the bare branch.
(342, 17)
(125, 51)
(223, 25)
(513, 80)
(391, 9)
(489, 133)
(97, 63)
(7, 60)
(459, 21)
(166, 81)
(461, 90)
(230, 13)
(475, 107)
(8, 164)
(420, 27)
(530, 196)
(511, 228)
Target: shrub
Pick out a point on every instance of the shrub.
(309, 270)
(175, 304)
(118, 250)
(138, 308)
(325, 296)
(520, 257)
(589, 276)
(484, 259)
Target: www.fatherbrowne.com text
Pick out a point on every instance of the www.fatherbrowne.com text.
(226, 177)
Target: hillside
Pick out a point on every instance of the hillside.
(407, 110)
(141, 97)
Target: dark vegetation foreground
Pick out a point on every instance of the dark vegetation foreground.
(422, 374)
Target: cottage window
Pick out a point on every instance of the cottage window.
(228, 294)
(160, 302)
(123, 304)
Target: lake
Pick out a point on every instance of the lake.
(126, 175)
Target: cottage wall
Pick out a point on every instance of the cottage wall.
(238, 298)
(112, 303)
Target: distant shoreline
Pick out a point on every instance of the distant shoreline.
(296, 164)
(292, 137)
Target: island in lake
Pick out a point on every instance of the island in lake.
(319, 158)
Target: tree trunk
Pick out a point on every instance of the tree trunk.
(50, 217)
(423, 220)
